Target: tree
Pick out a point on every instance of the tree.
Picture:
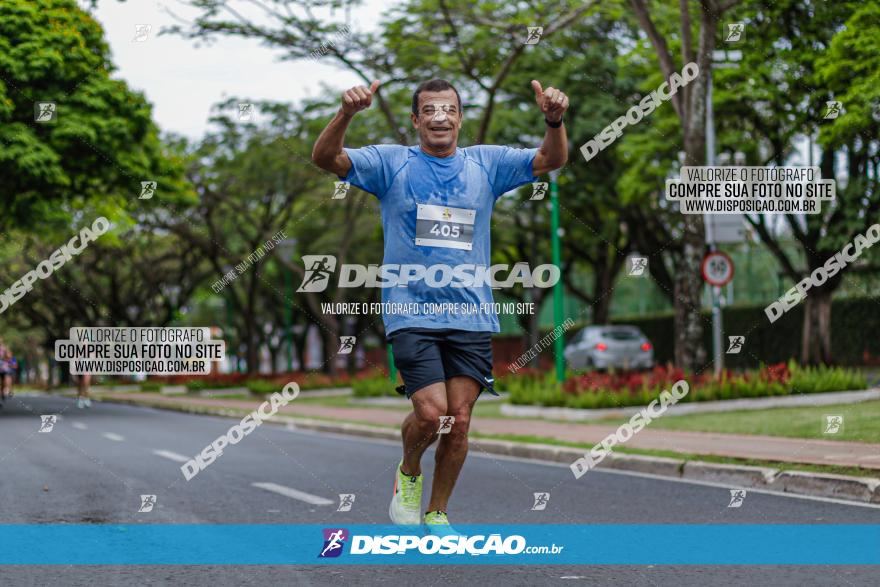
(690, 107)
(803, 54)
(101, 142)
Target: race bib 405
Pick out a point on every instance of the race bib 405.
(442, 226)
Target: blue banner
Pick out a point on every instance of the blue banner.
(288, 544)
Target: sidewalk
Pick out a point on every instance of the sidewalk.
(767, 448)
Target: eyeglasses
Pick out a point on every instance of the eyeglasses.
(431, 109)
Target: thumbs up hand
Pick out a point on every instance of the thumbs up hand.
(358, 98)
(553, 102)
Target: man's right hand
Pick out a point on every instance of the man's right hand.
(358, 98)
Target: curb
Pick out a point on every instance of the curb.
(734, 475)
(827, 485)
(843, 487)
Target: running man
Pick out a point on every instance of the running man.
(6, 372)
(436, 204)
(83, 382)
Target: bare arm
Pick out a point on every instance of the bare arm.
(553, 152)
(327, 152)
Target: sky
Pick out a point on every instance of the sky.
(183, 81)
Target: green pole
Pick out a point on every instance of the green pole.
(559, 343)
(392, 368)
(288, 317)
(229, 325)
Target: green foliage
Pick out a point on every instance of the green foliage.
(102, 143)
(262, 386)
(377, 386)
(779, 341)
(151, 386)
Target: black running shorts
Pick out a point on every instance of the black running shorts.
(426, 355)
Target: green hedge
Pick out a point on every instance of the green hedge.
(374, 387)
(853, 325)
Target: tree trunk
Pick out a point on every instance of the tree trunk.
(816, 331)
(604, 272)
(330, 338)
(689, 351)
(251, 346)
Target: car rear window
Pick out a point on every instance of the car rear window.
(620, 334)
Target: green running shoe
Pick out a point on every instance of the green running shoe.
(437, 523)
(406, 503)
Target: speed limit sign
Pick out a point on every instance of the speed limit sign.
(717, 268)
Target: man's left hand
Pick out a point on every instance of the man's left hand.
(553, 102)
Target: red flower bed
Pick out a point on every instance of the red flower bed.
(663, 376)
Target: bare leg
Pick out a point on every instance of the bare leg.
(420, 427)
(452, 450)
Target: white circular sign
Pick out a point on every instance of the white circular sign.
(717, 268)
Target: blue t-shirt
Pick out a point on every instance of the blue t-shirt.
(437, 211)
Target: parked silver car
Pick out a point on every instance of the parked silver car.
(603, 347)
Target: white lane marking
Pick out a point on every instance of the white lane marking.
(361, 439)
(294, 493)
(114, 437)
(80, 426)
(171, 456)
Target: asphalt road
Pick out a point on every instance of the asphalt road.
(95, 464)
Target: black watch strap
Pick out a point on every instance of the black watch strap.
(553, 124)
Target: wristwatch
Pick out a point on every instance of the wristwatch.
(553, 124)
